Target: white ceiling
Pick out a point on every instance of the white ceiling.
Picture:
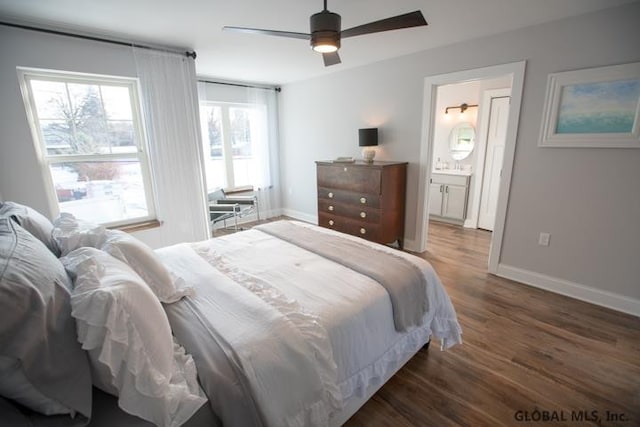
(197, 24)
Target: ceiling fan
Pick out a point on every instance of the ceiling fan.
(326, 34)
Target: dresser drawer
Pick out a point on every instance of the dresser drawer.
(348, 197)
(351, 178)
(345, 225)
(359, 213)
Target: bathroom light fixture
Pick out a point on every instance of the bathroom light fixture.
(463, 107)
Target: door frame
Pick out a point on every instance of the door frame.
(482, 142)
(516, 71)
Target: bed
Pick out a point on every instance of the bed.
(279, 332)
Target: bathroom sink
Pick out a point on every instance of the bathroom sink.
(459, 172)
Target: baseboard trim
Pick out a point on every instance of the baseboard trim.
(571, 289)
(313, 219)
(410, 245)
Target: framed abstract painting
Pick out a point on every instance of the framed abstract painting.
(595, 107)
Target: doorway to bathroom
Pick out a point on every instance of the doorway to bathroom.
(469, 134)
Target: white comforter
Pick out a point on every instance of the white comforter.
(335, 325)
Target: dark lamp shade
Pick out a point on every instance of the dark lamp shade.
(368, 137)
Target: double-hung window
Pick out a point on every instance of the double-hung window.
(90, 139)
(235, 137)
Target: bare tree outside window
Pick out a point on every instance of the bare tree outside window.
(91, 140)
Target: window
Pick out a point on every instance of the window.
(89, 135)
(234, 136)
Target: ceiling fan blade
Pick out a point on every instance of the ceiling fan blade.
(412, 19)
(289, 34)
(331, 58)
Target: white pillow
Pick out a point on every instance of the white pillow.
(127, 334)
(143, 260)
(32, 221)
(38, 335)
(71, 233)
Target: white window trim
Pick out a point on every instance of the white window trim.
(44, 161)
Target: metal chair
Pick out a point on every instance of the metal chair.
(234, 203)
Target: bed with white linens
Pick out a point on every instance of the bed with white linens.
(262, 330)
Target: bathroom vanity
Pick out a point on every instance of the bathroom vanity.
(449, 188)
(448, 195)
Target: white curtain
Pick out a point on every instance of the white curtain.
(269, 174)
(264, 135)
(170, 108)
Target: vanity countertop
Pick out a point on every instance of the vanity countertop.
(458, 172)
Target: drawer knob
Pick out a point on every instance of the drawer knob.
(330, 207)
(330, 222)
(363, 214)
(363, 200)
(363, 231)
(345, 169)
(330, 195)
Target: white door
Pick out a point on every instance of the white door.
(498, 120)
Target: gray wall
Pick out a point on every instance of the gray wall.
(588, 199)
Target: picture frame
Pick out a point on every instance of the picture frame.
(594, 107)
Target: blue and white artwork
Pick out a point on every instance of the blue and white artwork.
(605, 107)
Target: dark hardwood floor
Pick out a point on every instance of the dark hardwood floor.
(529, 357)
(526, 353)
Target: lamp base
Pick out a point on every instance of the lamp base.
(368, 154)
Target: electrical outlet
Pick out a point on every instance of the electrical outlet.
(544, 238)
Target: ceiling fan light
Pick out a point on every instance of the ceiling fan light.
(325, 41)
(325, 48)
(325, 31)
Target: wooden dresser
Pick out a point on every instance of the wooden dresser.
(363, 199)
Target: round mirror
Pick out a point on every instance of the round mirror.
(462, 140)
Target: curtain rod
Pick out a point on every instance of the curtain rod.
(97, 39)
(276, 88)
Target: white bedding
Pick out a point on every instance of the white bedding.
(352, 309)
